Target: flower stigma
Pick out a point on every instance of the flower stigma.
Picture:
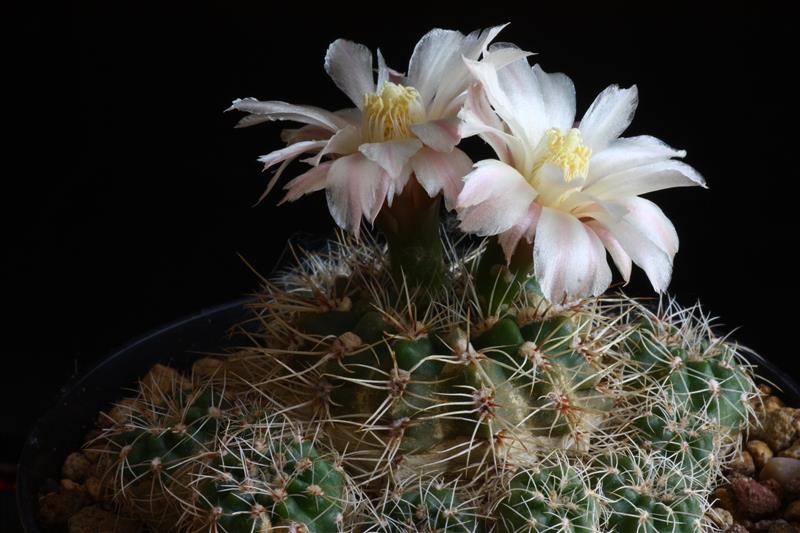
(388, 114)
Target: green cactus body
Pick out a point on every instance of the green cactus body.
(707, 383)
(382, 382)
(437, 391)
(690, 445)
(279, 486)
(183, 457)
(431, 506)
(552, 497)
(539, 381)
(713, 387)
(149, 451)
(642, 496)
(407, 380)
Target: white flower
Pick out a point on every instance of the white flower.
(401, 124)
(572, 190)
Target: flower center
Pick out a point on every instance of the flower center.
(388, 114)
(568, 152)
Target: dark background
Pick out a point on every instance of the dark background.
(133, 199)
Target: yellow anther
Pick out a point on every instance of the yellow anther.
(568, 152)
(388, 114)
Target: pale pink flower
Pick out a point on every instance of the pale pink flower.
(570, 189)
(401, 124)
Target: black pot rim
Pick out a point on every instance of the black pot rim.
(27, 488)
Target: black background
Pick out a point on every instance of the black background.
(134, 194)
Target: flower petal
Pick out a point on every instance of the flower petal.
(502, 54)
(558, 93)
(356, 187)
(349, 65)
(629, 152)
(273, 180)
(553, 189)
(286, 155)
(304, 133)
(351, 116)
(308, 182)
(290, 152)
(618, 254)
(478, 118)
(644, 244)
(396, 184)
(585, 206)
(344, 141)
(525, 100)
(384, 72)
(392, 156)
(495, 197)
(656, 263)
(569, 258)
(441, 172)
(441, 135)
(522, 110)
(275, 110)
(608, 116)
(434, 53)
(454, 78)
(644, 179)
(651, 222)
(509, 239)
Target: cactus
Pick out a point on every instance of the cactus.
(353, 404)
(700, 372)
(418, 381)
(426, 387)
(642, 495)
(195, 460)
(425, 505)
(554, 495)
(259, 483)
(540, 357)
(148, 449)
(693, 446)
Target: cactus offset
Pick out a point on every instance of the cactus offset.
(644, 494)
(264, 479)
(699, 371)
(194, 460)
(147, 449)
(420, 504)
(554, 495)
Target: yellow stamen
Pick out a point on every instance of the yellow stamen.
(568, 152)
(389, 114)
